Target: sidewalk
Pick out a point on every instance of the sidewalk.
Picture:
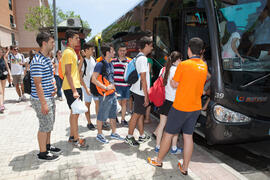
(116, 160)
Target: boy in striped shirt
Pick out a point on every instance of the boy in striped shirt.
(43, 90)
(122, 88)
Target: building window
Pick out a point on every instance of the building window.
(11, 20)
(13, 39)
(10, 4)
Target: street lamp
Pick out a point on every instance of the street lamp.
(55, 27)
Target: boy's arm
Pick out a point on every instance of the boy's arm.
(70, 80)
(40, 92)
(81, 77)
(144, 87)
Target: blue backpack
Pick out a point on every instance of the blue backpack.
(131, 75)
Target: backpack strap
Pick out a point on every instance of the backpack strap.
(85, 66)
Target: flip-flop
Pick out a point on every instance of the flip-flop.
(153, 162)
(180, 166)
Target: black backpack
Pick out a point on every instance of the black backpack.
(27, 82)
(85, 66)
(3, 68)
(93, 87)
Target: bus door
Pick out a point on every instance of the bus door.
(194, 24)
(162, 41)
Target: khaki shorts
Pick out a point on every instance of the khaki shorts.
(17, 79)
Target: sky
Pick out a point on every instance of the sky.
(98, 13)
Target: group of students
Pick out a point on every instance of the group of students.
(184, 83)
(13, 67)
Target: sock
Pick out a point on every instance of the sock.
(129, 136)
(158, 146)
(48, 146)
(174, 148)
(142, 136)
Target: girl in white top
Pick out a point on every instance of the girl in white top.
(174, 59)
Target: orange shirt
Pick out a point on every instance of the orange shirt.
(191, 76)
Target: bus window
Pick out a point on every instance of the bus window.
(244, 29)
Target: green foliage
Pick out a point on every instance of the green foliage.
(38, 17)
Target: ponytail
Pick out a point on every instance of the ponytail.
(175, 55)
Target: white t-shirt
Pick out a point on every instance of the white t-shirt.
(169, 90)
(91, 63)
(16, 68)
(227, 48)
(141, 66)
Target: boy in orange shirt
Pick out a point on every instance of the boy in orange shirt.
(189, 79)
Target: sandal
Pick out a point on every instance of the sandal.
(180, 166)
(153, 162)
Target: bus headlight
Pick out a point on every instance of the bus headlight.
(223, 114)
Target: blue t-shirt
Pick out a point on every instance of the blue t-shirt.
(109, 69)
(41, 66)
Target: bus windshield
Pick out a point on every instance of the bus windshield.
(244, 34)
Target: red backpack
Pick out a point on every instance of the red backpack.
(157, 91)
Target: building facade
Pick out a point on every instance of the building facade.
(12, 20)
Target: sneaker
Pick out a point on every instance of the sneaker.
(116, 136)
(2, 109)
(80, 143)
(91, 126)
(54, 150)
(23, 98)
(71, 139)
(60, 99)
(177, 151)
(105, 126)
(20, 99)
(101, 138)
(131, 141)
(156, 149)
(47, 156)
(124, 123)
(144, 139)
(153, 162)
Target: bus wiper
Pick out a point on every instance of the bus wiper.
(255, 80)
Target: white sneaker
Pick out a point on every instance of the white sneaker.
(20, 99)
(23, 98)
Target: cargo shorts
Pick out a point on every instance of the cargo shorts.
(46, 122)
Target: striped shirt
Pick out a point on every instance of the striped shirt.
(41, 66)
(119, 70)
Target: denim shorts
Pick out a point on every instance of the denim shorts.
(46, 122)
(88, 98)
(107, 107)
(123, 91)
(180, 120)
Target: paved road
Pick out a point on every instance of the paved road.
(116, 160)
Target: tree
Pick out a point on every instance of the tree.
(38, 17)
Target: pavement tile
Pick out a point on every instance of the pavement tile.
(116, 160)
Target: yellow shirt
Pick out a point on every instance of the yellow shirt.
(70, 57)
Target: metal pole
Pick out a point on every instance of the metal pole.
(55, 27)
